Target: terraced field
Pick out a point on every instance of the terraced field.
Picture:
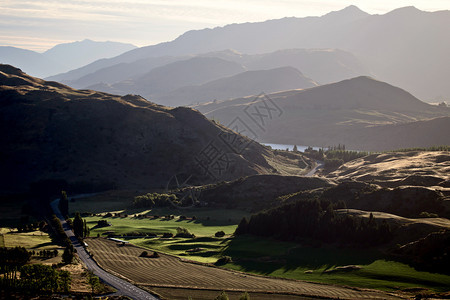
(171, 272)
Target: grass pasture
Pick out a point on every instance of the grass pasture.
(32, 241)
(268, 257)
(318, 264)
(171, 272)
(207, 224)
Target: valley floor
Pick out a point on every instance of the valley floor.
(171, 272)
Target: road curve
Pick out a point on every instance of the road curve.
(123, 287)
(319, 164)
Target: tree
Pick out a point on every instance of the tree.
(78, 226)
(183, 232)
(244, 296)
(64, 203)
(242, 227)
(64, 281)
(295, 148)
(94, 282)
(86, 230)
(67, 255)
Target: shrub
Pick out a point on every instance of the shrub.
(167, 235)
(144, 254)
(102, 223)
(220, 233)
(183, 232)
(244, 296)
(155, 254)
(333, 163)
(222, 296)
(223, 260)
(425, 214)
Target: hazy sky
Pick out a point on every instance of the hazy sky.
(40, 24)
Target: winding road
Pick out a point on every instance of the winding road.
(319, 164)
(123, 287)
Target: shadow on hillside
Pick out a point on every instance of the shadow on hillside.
(265, 256)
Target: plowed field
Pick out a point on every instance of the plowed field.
(168, 271)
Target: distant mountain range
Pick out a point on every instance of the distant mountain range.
(51, 132)
(61, 58)
(246, 83)
(406, 47)
(190, 79)
(362, 113)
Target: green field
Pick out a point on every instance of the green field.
(207, 223)
(34, 240)
(270, 257)
(289, 260)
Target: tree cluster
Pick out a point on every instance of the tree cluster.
(151, 200)
(36, 279)
(315, 220)
(80, 228)
(103, 223)
(334, 156)
(60, 236)
(47, 253)
(183, 232)
(11, 259)
(24, 227)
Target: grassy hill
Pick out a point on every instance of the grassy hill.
(359, 112)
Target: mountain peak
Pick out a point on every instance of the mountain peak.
(407, 10)
(351, 12)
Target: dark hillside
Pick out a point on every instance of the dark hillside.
(50, 131)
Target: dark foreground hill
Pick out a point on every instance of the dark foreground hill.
(50, 131)
(362, 113)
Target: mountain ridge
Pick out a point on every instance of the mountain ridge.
(350, 112)
(91, 139)
(380, 41)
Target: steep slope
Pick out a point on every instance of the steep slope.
(243, 84)
(80, 53)
(340, 113)
(50, 131)
(406, 47)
